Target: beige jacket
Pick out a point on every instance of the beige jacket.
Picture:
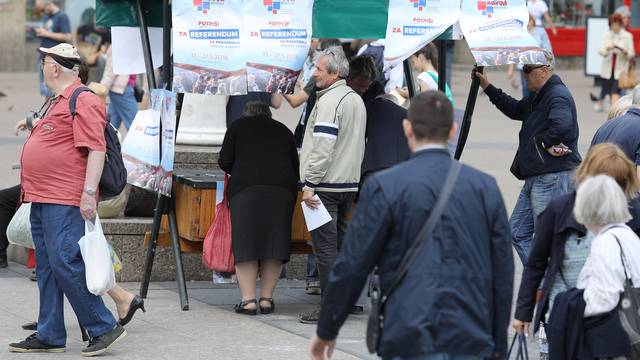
(116, 83)
(623, 40)
(333, 146)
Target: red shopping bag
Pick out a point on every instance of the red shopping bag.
(217, 252)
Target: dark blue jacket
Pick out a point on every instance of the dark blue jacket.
(572, 336)
(548, 118)
(456, 296)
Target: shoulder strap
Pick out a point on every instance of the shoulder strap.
(624, 267)
(335, 113)
(429, 225)
(74, 98)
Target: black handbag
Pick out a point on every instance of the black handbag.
(379, 298)
(138, 93)
(629, 310)
(522, 353)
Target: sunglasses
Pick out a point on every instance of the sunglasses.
(529, 69)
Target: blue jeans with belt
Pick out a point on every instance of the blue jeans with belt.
(534, 197)
(56, 230)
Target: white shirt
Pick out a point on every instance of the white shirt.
(537, 8)
(602, 276)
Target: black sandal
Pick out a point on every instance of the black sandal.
(267, 310)
(240, 308)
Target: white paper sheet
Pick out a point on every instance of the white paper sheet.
(127, 49)
(315, 217)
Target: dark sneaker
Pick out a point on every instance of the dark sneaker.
(33, 345)
(33, 276)
(310, 317)
(100, 344)
(313, 288)
(357, 310)
(33, 326)
(3, 261)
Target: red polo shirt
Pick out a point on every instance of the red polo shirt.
(54, 158)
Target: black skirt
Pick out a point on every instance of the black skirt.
(261, 223)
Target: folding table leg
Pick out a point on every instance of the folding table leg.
(177, 254)
(151, 250)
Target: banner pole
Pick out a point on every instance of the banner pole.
(408, 77)
(468, 113)
(442, 65)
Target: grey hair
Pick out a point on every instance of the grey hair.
(601, 201)
(620, 107)
(636, 96)
(75, 70)
(337, 61)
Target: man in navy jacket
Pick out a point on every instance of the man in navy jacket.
(548, 146)
(455, 299)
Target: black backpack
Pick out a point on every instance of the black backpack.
(114, 173)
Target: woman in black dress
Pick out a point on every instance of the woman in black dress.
(260, 155)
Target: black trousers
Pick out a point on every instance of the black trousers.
(9, 198)
(326, 240)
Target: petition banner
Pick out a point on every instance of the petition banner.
(208, 38)
(496, 32)
(140, 146)
(279, 32)
(413, 24)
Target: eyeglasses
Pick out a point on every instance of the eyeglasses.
(528, 69)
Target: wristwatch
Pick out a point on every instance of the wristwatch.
(90, 191)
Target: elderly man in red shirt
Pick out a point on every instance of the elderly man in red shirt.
(61, 164)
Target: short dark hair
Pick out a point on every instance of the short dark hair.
(430, 52)
(256, 108)
(363, 66)
(327, 43)
(431, 116)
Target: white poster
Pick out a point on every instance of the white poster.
(127, 52)
(208, 54)
(496, 32)
(413, 24)
(140, 147)
(279, 32)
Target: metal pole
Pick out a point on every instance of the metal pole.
(468, 113)
(408, 77)
(442, 65)
(167, 66)
(146, 46)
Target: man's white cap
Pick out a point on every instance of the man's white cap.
(63, 50)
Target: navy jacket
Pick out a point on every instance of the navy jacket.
(552, 229)
(572, 336)
(456, 297)
(386, 144)
(548, 118)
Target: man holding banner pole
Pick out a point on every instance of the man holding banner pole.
(548, 145)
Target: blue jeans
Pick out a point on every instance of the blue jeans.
(44, 90)
(123, 108)
(534, 197)
(56, 230)
(438, 356)
(312, 268)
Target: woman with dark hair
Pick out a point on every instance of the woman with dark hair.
(424, 61)
(616, 50)
(260, 155)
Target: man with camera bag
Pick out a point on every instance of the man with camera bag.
(452, 298)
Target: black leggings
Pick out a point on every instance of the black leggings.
(9, 198)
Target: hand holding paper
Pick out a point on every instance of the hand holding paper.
(315, 217)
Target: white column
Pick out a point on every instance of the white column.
(203, 120)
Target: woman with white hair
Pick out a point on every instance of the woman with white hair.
(601, 207)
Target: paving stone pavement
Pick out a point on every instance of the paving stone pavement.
(210, 330)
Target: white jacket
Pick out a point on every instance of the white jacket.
(624, 40)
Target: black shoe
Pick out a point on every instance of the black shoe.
(32, 326)
(33, 276)
(311, 317)
(267, 309)
(136, 303)
(593, 98)
(32, 345)
(3, 261)
(240, 308)
(357, 309)
(100, 344)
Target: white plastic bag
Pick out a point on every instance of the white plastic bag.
(99, 271)
(19, 229)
